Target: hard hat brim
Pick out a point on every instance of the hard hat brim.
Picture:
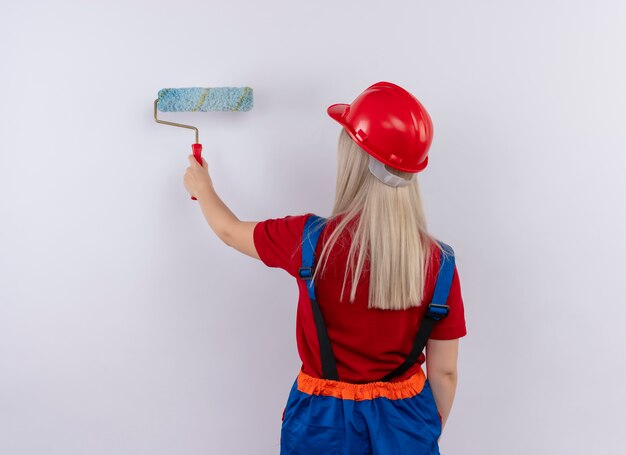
(338, 111)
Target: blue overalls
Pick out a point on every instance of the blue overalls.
(326, 416)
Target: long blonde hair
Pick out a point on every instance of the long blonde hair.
(391, 231)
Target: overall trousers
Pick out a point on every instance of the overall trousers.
(327, 416)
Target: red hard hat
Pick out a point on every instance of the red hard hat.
(388, 123)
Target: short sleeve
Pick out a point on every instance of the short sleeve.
(278, 241)
(453, 325)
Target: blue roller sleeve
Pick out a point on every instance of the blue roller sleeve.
(203, 99)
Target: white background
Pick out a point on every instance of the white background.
(128, 327)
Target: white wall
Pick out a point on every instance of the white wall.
(127, 327)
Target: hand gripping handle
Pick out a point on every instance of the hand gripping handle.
(197, 153)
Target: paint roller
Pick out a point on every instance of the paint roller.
(201, 99)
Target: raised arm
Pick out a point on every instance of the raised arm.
(235, 233)
(240, 237)
(232, 231)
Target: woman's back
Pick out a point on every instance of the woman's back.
(367, 342)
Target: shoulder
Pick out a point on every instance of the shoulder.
(283, 232)
(278, 240)
(288, 223)
(440, 249)
(444, 247)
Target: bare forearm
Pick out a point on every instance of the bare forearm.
(443, 387)
(217, 214)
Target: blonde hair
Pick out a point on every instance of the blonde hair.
(391, 231)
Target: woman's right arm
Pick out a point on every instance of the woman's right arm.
(441, 371)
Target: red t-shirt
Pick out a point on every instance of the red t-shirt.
(367, 343)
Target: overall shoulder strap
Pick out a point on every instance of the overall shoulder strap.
(310, 235)
(438, 307)
(436, 310)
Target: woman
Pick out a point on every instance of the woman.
(361, 388)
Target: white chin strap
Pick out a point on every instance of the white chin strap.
(377, 168)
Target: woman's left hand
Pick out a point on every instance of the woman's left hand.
(197, 177)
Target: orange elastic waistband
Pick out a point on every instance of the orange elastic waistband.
(349, 391)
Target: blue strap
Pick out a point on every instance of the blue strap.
(310, 236)
(438, 308)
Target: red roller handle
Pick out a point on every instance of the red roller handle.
(197, 153)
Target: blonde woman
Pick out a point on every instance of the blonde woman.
(375, 289)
